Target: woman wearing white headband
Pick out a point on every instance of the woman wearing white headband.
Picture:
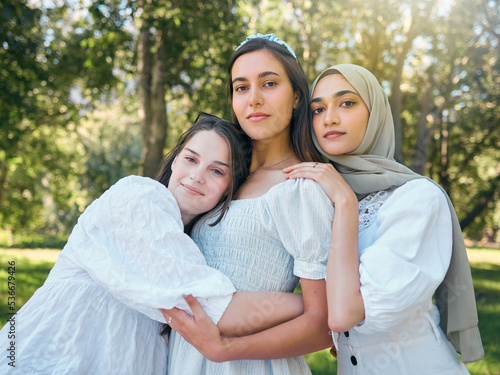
(405, 247)
(274, 233)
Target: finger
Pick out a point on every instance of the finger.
(303, 169)
(291, 167)
(180, 318)
(305, 173)
(165, 314)
(195, 307)
(170, 312)
(300, 166)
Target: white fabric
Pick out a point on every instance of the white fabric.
(405, 247)
(263, 244)
(126, 257)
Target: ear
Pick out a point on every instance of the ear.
(297, 99)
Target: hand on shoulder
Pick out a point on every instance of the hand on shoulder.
(327, 177)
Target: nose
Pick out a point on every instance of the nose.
(197, 175)
(331, 116)
(255, 97)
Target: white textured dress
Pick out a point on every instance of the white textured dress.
(97, 311)
(405, 246)
(263, 244)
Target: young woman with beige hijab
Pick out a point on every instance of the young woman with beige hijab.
(396, 241)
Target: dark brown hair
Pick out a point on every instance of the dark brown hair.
(239, 154)
(300, 127)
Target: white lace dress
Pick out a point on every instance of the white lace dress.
(405, 245)
(97, 311)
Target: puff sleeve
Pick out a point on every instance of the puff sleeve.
(132, 244)
(408, 258)
(300, 214)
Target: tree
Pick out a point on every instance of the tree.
(19, 72)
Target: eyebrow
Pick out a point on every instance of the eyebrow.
(261, 75)
(336, 95)
(215, 161)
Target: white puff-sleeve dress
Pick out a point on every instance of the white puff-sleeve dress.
(405, 245)
(263, 244)
(97, 312)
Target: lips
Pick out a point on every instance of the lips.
(333, 134)
(257, 116)
(192, 190)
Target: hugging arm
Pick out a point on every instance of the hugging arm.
(250, 312)
(304, 334)
(345, 302)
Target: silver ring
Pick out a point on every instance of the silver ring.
(169, 320)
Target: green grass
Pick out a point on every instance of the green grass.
(30, 275)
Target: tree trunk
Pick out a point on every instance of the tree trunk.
(444, 179)
(396, 97)
(158, 127)
(144, 67)
(376, 38)
(485, 197)
(419, 157)
(152, 113)
(3, 178)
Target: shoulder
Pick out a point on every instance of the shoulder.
(137, 198)
(138, 185)
(298, 186)
(137, 182)
(295, 196)
(136, 191)
(420, 196)
(419, 189)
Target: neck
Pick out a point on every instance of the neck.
(186, 219)
(267, 153)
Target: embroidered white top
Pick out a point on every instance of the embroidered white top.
(405, 245)
(97, 311)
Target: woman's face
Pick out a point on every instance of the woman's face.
(263, 97)
(200, 174)
(340, 116)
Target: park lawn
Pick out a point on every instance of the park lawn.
(33, 266)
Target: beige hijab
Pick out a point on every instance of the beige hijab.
(371, 167)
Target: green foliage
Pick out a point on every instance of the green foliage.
(109, 147)
(32, 240)
(60, 64)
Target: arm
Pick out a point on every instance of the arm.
(408, 257)
(251, 312)
(132, 244)
(305, 334)
(345, 302)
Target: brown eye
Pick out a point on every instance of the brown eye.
(348, 103)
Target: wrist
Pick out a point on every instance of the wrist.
(220, 352)
(348, 202)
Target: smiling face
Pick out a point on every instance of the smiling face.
(200, 174)
(340, 116)
(263, 97)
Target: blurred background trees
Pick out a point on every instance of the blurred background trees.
(91, 91)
